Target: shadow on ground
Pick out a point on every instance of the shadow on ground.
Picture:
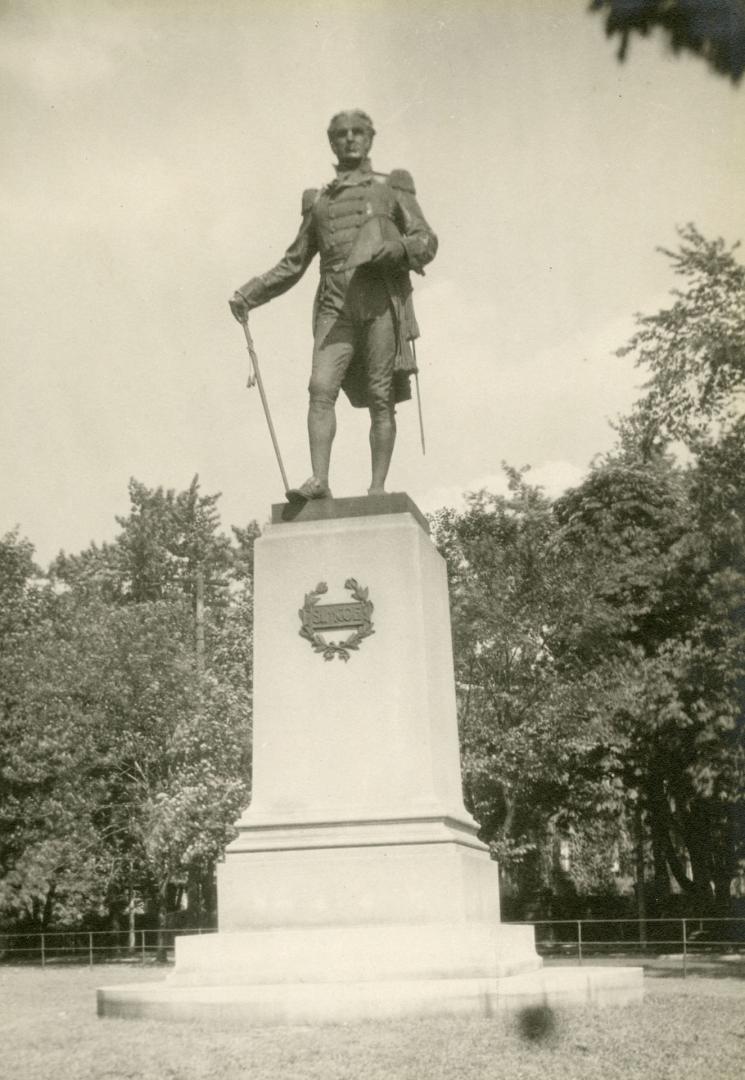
(536, 1023)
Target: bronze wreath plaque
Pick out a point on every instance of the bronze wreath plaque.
(355, 615)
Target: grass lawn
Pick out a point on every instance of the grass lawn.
(693, 1029)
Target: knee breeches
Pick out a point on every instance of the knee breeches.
(370, 343)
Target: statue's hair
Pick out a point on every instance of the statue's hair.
(351, 112)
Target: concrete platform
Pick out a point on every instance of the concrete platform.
(270, 1005)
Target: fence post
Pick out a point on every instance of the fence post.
(685, 950)
(143, 945)
(579, 941)
(90, 948)
(43, 953)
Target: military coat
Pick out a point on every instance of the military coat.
(332, 220)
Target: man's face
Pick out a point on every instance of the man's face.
(350, 140)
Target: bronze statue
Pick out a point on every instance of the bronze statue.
(369, 232)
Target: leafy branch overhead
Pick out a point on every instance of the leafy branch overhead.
(712, 29)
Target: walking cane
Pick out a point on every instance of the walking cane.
(254, 379)
(418, 395)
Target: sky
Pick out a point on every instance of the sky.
(154, 160)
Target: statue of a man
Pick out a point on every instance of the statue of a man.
(369, 232)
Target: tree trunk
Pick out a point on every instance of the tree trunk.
(723, 896)
(640, 885)
(161, 946)
(661, 879)
(131, 937)
(46, 913)
(194, 897)
(661, 823)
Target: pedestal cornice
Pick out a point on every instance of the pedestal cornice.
(359, 506)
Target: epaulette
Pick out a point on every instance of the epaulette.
(309, 197)
(402, 179)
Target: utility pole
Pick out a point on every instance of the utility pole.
(199, 618)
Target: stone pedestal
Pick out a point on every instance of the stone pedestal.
(357, 885)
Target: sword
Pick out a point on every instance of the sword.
(254, 379)
(418, 395)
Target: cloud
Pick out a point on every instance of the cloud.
(55, 51)
(53, 66)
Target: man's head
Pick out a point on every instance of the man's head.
(351, 134)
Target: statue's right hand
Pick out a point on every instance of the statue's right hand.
(239, 307)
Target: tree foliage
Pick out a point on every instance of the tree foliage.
(713, 29)
(684, 709)
(679, 661)
(694, 351)
(127, 705)
(533, 734)
(166, 540)
(600, 640)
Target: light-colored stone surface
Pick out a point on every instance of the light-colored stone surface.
(442, 881)
(373, 737)
(352, 954)
(267, 1005)
(357, 811)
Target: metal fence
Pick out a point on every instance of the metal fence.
(681, 941)
(91, 946)
(677, 942)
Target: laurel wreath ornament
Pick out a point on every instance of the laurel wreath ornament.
(342, 649)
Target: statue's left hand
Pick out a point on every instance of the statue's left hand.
(390, 253)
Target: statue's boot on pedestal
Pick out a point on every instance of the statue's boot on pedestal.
(311, 489)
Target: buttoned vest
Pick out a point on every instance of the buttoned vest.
(340, 211)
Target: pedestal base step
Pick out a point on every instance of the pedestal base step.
(268, 1005)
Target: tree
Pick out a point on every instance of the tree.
(678, 660)
(131, 734)
(534, 741)
(600, 667)
(693, 351)
(671, 539)
(168, 541)
(52, 864)
(713, 29)
(173, 743)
